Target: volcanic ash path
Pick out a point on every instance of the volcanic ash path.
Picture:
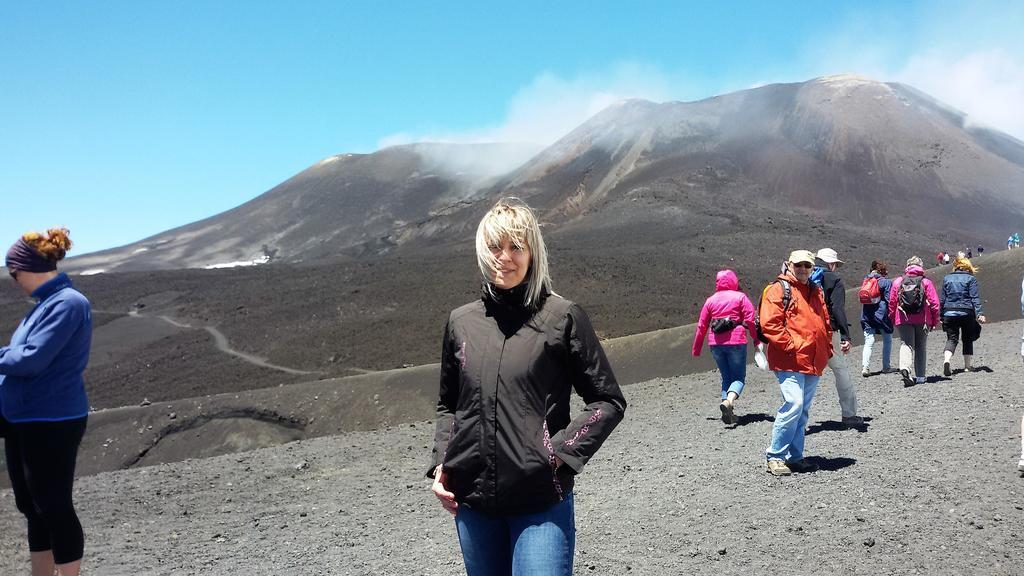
(928, 486)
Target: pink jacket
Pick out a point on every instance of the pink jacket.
(929, 315)
(726, 302)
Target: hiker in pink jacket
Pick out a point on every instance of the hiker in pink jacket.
(730, 316)
(914, 310)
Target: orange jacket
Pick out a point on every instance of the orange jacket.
(799, 339)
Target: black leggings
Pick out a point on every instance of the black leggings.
(41, 463)
(954, 326)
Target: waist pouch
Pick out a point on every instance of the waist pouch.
(719, 325)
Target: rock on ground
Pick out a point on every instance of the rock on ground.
(928, 486)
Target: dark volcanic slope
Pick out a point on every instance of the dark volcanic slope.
(344, 204)
(341, 319)
(929, 486)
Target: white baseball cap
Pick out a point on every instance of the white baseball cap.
(828, 256)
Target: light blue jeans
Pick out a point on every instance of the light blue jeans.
(791, 420)
(540, 544)
(732, 363)
(869, 343)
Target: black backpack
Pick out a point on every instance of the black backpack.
(911, 296)
(787, 297)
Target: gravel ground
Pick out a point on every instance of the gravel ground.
(928, 486)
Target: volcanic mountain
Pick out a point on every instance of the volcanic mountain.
(877, 153)
(641, 205)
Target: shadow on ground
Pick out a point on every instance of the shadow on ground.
(752, 419)
(831, 464)
(838, 426)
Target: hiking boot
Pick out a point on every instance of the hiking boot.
(801, 466)
(946, 370)
(865, 372)
(728, 416)
(850, 421)
(778, 468)
(907, 380)
(920, 380)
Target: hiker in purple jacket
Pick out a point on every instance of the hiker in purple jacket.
(729, 315)
(914, 310)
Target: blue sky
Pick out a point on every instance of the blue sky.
(124, 119)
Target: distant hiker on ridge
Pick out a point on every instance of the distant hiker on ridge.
(43, 407)
(826, 263)
(794, 319)
(913, 308)
(730, 316)
(962, 312)
(506, 453)
(874, 316)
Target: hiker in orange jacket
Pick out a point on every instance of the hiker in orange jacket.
(799, 337)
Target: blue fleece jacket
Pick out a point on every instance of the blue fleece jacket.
(41, 370)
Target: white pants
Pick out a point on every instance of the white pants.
(844, 384)
(913, 348)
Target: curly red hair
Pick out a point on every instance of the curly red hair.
(53, 245)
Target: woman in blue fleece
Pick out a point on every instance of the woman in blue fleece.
(42, 400)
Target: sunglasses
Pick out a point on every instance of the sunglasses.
(802, 265)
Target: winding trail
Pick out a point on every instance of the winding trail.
(223, 345)
(221, 341)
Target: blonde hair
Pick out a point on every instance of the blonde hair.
(915, 261)
(511, 219)
(964, 263)
(53, 245)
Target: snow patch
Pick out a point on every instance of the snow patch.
(137, 250)
(846, 80)
(91, 272)
(256, 262)
(331, 159)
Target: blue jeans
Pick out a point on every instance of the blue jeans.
(540, 544)
(791, 420)
(869, 343)
(732, 363)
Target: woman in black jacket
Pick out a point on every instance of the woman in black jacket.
(506, 451)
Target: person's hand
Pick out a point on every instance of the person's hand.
(557, 462)
(845, 346)
(447, 498)
(982, 319)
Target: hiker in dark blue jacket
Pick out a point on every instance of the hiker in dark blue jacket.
(962, 313)
(874, 319)
(42, 400)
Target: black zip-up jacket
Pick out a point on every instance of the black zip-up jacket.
(835, 297)
(507, 373)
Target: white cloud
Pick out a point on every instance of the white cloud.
(551, 106)
(541, 112)
(986, 85)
